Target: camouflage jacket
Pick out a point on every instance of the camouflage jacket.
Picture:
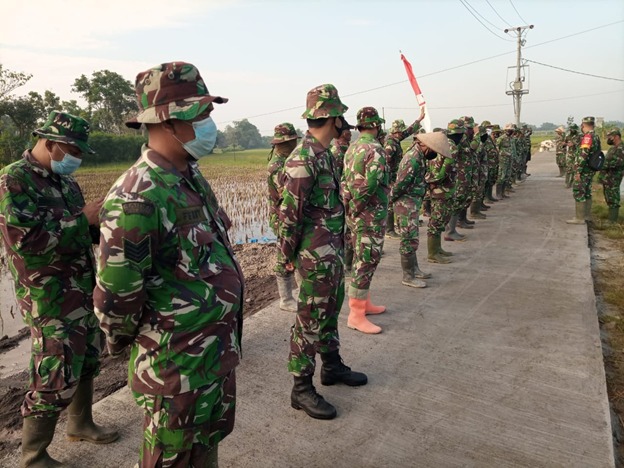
(573, 143)
(365, 184)
(560, 143)
(590, 142)
(465, 164)
(492, 153)
(275, 171)
(311, 214)
(394, 151)
(614, 159)
(48, 241)
(168, 282)
(338, 152)
(504, 144)
(441, 175)
(410, 183)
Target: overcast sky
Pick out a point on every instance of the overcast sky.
(266, 55)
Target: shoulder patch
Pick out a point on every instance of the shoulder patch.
(140, 208)
(137, 252)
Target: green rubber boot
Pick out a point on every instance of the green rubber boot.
(580, 214)
(614, 212)
(433, 250)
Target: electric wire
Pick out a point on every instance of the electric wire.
(497, 14)
(514, 7)
(573, 71)
(482, 17)
(481, 22)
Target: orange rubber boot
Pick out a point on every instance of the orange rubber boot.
(373, 309)
(357, 317)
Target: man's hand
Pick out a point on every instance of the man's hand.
(92, 211)
(289, 266)
(422, 113)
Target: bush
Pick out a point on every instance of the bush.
(114, 148)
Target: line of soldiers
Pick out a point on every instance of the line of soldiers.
(572, 150)
(333, 204)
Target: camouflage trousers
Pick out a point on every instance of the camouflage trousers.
(561, 160)
(581, 186)
(611, 181)
(280, 264)
(406, 212)
(321, 295)
(504, 169)
(63, 352)
(441, 211)
(570, 167)
(180, 430)
(492, 175)
(367, 248)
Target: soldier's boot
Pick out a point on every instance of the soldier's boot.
(475, 210)
(418, 273)
(390, 232)
(433, 246)
(489, 193)
(482, 205)
(580, 214)
(561, 172)
(298, 278)
(510, 189)
(348, 258)
(588, 207)
(305, 397)
(80, 425)
(357, 317)
(451, 234)
(467, 221)
(373, 309)
(462, 221)
(285, 288)
(408, 265)
(614, 212)
(37, 434)
(499, 191)
(335, 371)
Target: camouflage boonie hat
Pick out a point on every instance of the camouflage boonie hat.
(172, 90)
(398, 126)
(496, 128)
(284, 132)
(368, 117)
(486, 124)
(322, 102)
(469, 122)
(455, 126)
(66, 128)
(614, 132)
(589, 120)
(439, 129)
(511, 126)
(560, 129)
(573, 127)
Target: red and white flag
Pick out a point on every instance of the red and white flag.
(426, 123)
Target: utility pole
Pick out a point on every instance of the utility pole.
(517, 90)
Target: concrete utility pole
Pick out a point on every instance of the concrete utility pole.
(517, 90)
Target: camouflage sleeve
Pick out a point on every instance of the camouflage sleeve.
(130, 233)
(30, 230)
(410, 130)
(405, 177)
(364, 185)
(299, 179)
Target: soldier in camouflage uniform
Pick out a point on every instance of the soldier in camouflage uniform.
(440, 178)
(492, 161)
(467, 172)
(407, 194)
(560, 153)
(284, 141)
(528, 131)
(168, 283)
(48, 233)
(365, 192)
(612, 172)
(573, 144)
(394, 152)
(583, 174)
(338, 150)
(311, 239)
(506, 153)
(480, 140)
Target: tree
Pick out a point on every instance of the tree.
(243, 134)
(10, 80)
(547, 126)
(73, 108)
(25, 112)
(110, 99)
(221, 140)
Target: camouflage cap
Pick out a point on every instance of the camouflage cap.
(173, 90)
(496, 128)
(66, 128)
(486, 124)
(368, 117)
(560, 129)
(398, 126)
(510, 126)
(589, 120)
(439, 129)
(455, 126)
(437, 141)
(573, 127)
(614, 132)
(469, 122)
(284, 132)
(322, 102)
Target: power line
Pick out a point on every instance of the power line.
(575, 34)
(573, 71)
(482, 23)
(503, 20)
(514, 7)
(482, 17)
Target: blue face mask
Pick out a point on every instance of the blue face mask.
(65, 166)
(205, 138)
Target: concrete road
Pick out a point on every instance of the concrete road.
(496, 363)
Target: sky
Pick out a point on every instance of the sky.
(265, 56)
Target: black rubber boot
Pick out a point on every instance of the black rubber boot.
(304, 397)
(427, 208)
(499, 191)
(335, 371)
(490, 193)
(408, 266)
(462, 221)
(37, 434)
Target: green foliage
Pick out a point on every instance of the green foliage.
(243, 134)
(112, 148)
(10, 80)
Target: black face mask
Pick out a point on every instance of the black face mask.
(344, 127)
(484, 137)
(509, 132)
(431, 155)
(456, 137)
(610, 141)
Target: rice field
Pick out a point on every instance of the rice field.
(237, 178)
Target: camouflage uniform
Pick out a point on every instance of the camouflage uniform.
(506, 152)
(613, 171)
(573, 144)
(48, 242)
(338, 150)
(169, 285)
(365, 192)
(441, 178)
(407, 195)
(311, 237)
(583, 174)
(560, 150)
(464, 169)
(283, 132)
